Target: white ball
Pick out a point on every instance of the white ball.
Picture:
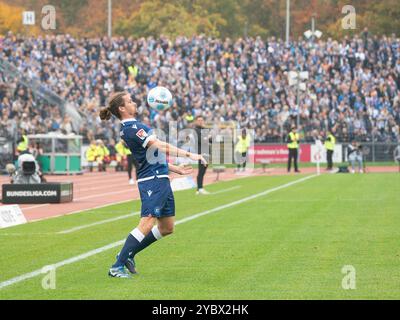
(159, 98)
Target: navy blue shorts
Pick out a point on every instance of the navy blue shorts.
(157, 198)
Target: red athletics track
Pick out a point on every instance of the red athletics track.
(98, 189)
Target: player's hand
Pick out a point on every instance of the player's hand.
(185, 169)
(197, 157)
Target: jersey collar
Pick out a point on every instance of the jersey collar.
(128, 120)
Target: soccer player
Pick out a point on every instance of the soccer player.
(153, 182)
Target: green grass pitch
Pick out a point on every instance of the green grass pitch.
(288, 244)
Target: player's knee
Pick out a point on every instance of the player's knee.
(166, 230)
(146, 224)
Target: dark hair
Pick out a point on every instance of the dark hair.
(116, 101)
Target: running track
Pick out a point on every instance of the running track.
(98, 189)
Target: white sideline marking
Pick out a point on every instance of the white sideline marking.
(226, 190)
(98, 223)
(118, 243)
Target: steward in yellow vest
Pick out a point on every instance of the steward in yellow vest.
(121, 156)
(241, 148)
(103, 155)
(91, 154)
(22, 144)
(330, 147)
(293, 146)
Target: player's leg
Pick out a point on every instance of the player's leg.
(135, 237)
(164, 209)
(132, 243)
(164, 227)
(166, 219)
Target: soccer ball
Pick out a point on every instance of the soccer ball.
(159, 98)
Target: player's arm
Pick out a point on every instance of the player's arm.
(174, 151)
(181, 169)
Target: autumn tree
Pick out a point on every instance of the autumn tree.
(11, 20)
(158, 17)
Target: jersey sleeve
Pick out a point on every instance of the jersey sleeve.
(140, 134)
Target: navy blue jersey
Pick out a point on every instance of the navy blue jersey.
(148, 164)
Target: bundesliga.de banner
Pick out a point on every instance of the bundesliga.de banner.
(278, 153)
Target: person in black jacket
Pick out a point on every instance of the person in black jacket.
(198, 126)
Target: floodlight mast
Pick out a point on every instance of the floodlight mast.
(287, 21)
(109, 18)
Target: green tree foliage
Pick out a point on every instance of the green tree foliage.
(384, 18)
(173, 19)
(70, 9)
(11, 19)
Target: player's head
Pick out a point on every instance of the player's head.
(199, 121)
(121, 106)
(293, 128)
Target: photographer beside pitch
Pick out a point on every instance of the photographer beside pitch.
(156, 195)
(355, 155)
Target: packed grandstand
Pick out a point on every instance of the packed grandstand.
(353, 85)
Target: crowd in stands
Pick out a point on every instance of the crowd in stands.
(353, 86)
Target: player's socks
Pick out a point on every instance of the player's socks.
(131, 244)
(151, 237)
